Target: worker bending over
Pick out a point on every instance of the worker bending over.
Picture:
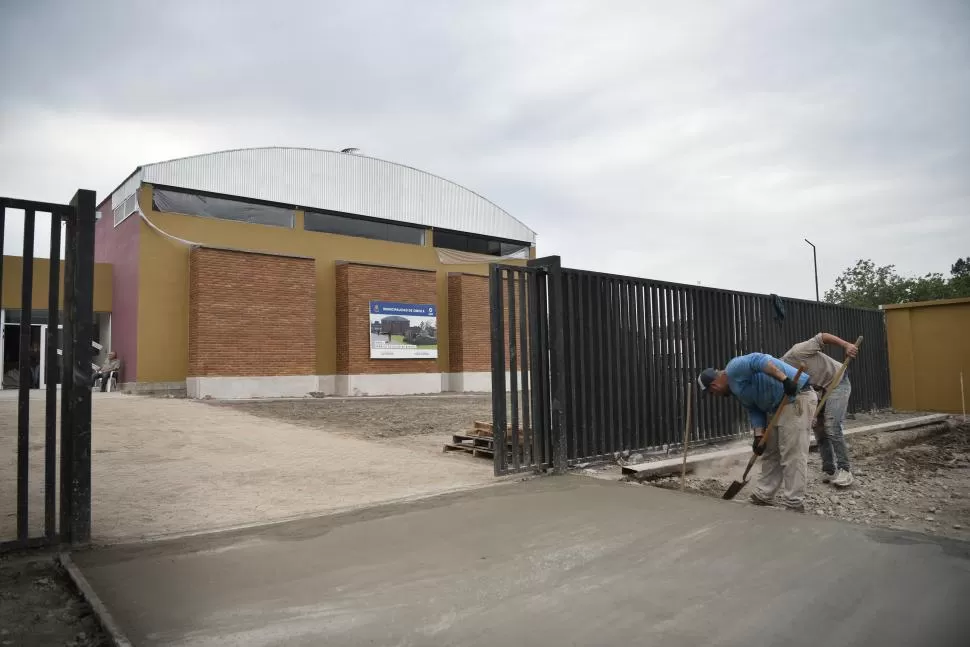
(828, 423)
(759, 382)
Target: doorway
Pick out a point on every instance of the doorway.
(10, 355)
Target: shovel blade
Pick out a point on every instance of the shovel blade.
(733, 490)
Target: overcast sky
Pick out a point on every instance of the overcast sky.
(685, 141)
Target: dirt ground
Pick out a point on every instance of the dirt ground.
(922, 486)
(376, 418)
(169, 466)
(39, 607)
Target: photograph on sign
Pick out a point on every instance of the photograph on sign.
(403, 330)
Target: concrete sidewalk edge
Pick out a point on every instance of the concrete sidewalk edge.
(101, 613)
(672, 465)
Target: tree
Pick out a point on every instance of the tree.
(960, 277)
(866, 286)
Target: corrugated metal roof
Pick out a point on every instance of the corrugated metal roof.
(345, 182)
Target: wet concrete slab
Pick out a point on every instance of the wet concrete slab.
(553, 561)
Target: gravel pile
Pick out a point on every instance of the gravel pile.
(923, 487)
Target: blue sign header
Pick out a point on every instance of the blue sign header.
(403, 309)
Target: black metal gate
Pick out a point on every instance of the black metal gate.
(589, 366)
(528, 383)
(74, 524)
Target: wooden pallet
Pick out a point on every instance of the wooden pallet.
(477, 442)
(475, 445)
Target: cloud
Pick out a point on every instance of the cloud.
(688, 141)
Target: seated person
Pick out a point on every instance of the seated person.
(111, 365)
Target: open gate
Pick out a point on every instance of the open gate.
(528, 380)
(72, 380)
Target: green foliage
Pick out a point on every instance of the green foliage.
(866, 286)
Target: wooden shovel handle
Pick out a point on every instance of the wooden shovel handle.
(838, 376)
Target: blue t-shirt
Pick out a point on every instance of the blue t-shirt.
(759, 393)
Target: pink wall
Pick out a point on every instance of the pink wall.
(119, 246)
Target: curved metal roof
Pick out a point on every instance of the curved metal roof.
(337, 181)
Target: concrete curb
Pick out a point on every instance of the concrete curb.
(673, 465)
(115, 635)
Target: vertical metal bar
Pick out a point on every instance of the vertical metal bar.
(26, 377)
(630, 382)
(50, 440)
(610, 357)
(536, 349)
(572, 345)
(556, 368)
(524, 361)
(583, 378)
(79, 310)
(676, 358)
(513, 371)
(616, 291)
(542, 281)
(636, 330)
(689, 360)
(707, 324)
(670, 424)
(498, 369)
(656, 362)
(602, 423)
(623, 364)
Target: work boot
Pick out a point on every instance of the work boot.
(843, 478)
(827, 478)
(757, 500)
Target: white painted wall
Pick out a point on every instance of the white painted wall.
(470, 382)
(242, 388)
(393, 384)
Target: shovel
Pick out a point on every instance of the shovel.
(737, 485)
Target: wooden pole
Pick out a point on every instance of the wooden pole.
(683, 467)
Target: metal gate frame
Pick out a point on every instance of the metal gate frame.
(529, 299)
(75, 431)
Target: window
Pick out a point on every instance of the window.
(192, 204)
(348, 225)
(478, 244)
(125, 209)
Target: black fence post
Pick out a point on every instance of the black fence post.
(76, 378)
(25, 378)
(50, 437)
(497, 327)
(557, 364)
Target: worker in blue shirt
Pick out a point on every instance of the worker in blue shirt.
(759, 382)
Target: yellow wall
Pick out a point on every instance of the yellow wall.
(13, 268)
(163, 290)
(929, 345)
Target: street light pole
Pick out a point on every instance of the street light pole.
(815, 262)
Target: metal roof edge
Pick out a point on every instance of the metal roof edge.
(325, 150)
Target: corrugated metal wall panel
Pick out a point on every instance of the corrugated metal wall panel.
(342, 182)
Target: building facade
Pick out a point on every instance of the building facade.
(282, 272)
(11, 315)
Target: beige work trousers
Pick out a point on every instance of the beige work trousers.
(785, 461)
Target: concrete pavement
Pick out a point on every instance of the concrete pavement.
(553, 561)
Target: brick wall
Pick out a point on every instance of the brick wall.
(251, 314)
(469, 325)
(359, 284)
